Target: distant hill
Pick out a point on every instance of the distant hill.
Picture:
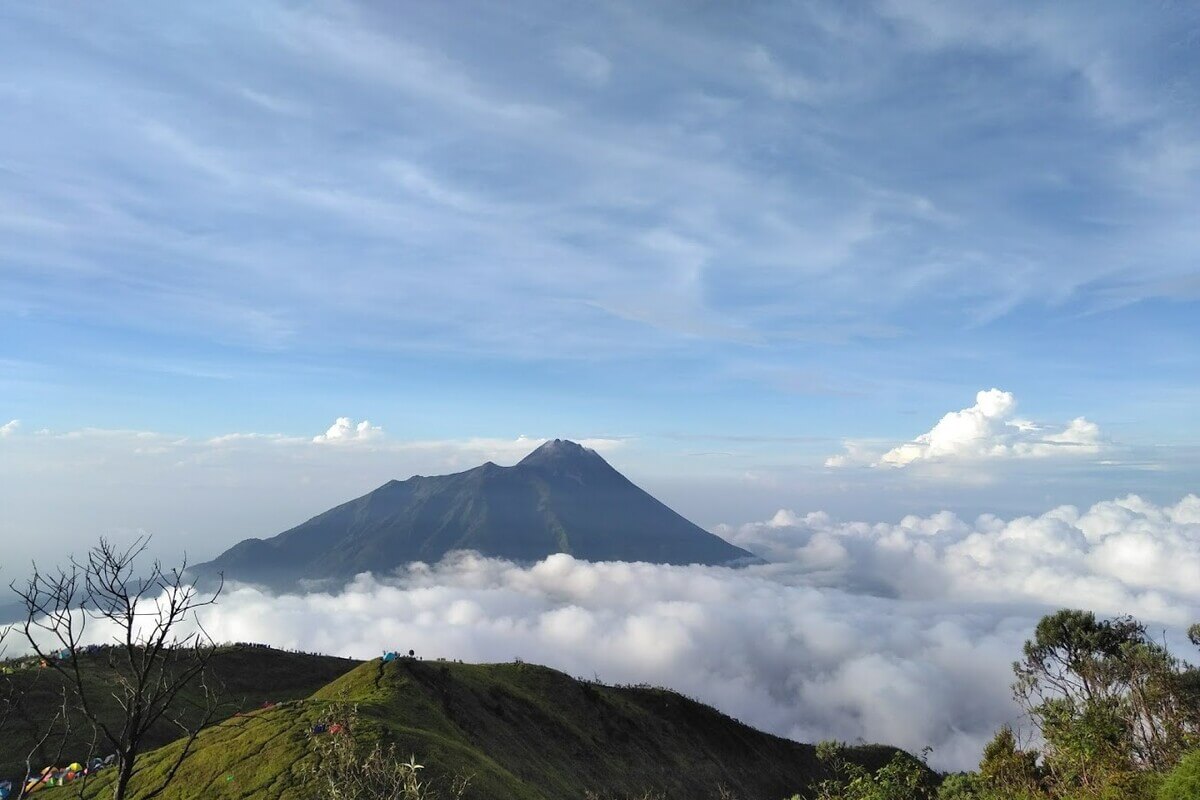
(522, 732)
(562, 498)
(249, 676)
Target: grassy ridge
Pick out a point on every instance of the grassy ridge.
(250, 676)
(522, 732)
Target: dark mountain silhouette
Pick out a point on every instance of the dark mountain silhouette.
(561, 498)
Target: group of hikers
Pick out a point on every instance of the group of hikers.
(55, 776)
(14, 665)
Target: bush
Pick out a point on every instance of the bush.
(962, 786)
(1183, 782)
(350, 766)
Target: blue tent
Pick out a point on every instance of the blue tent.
(5, 790)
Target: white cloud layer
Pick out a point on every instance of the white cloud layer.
(9, 428)
(796, 660)
(987, 430)
(1120, 556)
(894, 633)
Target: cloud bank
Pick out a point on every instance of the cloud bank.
(890, 632)
(988, 430)
(900, 633)
(1119, 556)
(797, 660)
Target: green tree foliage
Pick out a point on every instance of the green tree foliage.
(1115, 712)
(902, 778)
(1008, 768)
(1109, 701)
(961, 786)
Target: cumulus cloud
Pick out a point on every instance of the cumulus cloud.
(1126, 555)
(987, 430)
(345, 430)
(9, 428)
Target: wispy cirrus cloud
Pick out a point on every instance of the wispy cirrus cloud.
(664, 153)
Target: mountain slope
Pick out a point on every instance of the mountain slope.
(522, 732)
(562, 498)
(248, 677)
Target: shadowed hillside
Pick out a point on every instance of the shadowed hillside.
(520, 731)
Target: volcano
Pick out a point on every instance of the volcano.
(561, 498)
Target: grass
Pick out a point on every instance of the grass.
(522, 732)
(250, 676)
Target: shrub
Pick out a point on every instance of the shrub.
(1183, 782)
(351, 766)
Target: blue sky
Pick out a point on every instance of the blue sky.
(729, 238)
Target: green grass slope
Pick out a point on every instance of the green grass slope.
(522, 732)
(249, 677)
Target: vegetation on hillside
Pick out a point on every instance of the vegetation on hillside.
(349, 766)
(517, 731)
(154, 655)
(251, 676)
(1116, 714)
(75, 710)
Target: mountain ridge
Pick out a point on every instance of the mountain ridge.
(560, 498)
(520, 731)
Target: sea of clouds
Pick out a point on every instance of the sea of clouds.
(900, 633)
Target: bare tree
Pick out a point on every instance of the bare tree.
(7, 690)
(158, 667)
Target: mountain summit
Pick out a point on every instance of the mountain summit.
(563, 452)
(561, 498)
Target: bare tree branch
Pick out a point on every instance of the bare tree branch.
(154, 659)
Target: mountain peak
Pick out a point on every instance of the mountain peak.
(557, 451)
(561, 498)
